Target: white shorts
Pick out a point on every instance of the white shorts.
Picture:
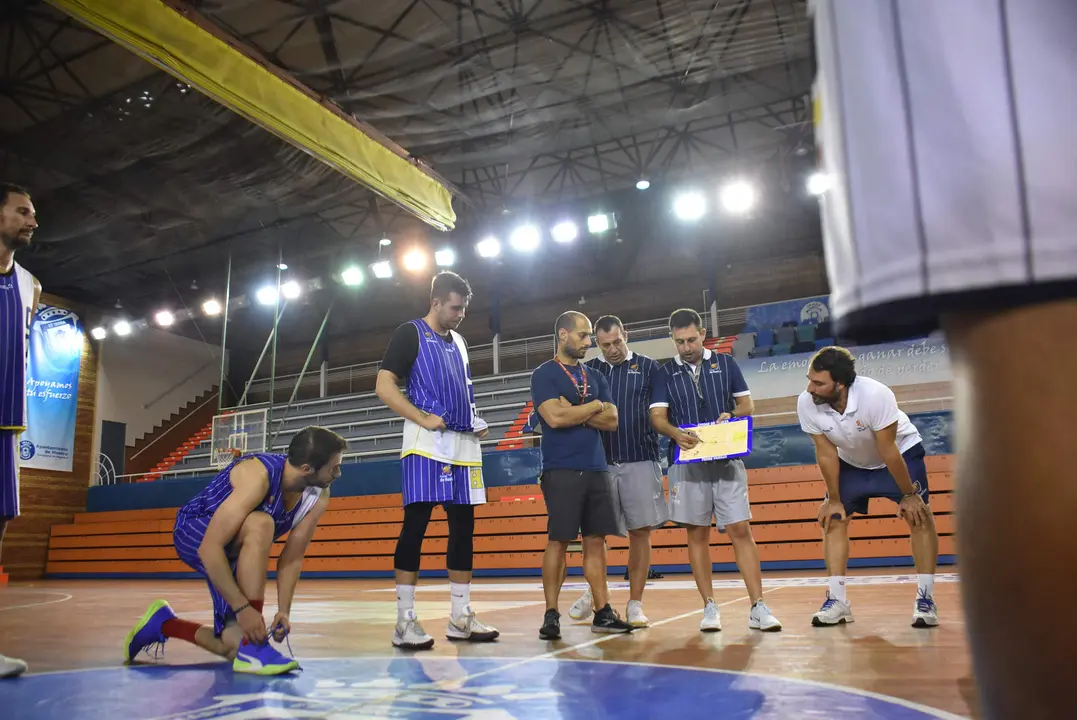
(946, 130)
(702, 492)
(638, 496)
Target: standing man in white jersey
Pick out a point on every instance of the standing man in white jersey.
(946, 130)
(632, 456)
(440, 458)
(866, 448)
(700, 386)
(19, 295)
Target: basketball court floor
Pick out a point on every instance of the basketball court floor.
(71, 633)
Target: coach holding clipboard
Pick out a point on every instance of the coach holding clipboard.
(703, 387)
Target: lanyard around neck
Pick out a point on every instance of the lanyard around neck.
(581, 390)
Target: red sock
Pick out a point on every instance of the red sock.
(181, 629)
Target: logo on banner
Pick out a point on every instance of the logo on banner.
(815, 312)
(26, 450)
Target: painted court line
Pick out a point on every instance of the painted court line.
(589, 643)
(659, 585)
(65, 598)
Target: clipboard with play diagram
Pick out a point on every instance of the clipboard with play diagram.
(717, 441)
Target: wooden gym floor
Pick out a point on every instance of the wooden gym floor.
(878, 666)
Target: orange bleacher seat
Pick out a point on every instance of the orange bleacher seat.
(358, 534)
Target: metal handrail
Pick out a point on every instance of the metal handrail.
(391, 451)
(175, 425)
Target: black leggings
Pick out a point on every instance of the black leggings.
(409, 547)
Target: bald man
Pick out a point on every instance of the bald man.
(574, 406)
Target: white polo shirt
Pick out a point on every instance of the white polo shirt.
(871, 406)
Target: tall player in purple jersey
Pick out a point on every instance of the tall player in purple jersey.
(19, 293)
(226, 533)
(441, 459)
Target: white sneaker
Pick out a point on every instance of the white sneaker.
(582, 608)
(409, 634)
(636, 618)
(761, 618)
(468, 627)
(712, 619)
(924, 612)
(10, 667)
(833, 612)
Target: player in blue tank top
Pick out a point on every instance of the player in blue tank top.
(226, 533)
(440, 461)
(17, 224)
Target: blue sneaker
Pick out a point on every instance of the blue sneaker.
(262, 659)
(147, 632)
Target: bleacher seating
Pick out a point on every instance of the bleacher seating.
(371, 428)
(357, 535)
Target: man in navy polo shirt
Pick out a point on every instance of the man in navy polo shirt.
(705, 387)
(574, 405)
(632, 454)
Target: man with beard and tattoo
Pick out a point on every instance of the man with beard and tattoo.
(19, 295)
(574, 407)
(441, 458)
(866, 448)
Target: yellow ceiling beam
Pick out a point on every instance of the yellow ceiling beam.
(179, 41)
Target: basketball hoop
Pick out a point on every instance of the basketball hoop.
(225, 456)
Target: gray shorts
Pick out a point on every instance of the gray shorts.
(638, 496)
(700, 492)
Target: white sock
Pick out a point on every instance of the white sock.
(405, 601)
(461, 597)
(837, 587)
(926, 583)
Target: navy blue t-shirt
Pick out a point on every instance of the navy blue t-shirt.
(578, 447)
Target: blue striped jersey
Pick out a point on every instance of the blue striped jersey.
(631, 382)
(13, 325)
(203, 505)
(440, 381)
(696, 395)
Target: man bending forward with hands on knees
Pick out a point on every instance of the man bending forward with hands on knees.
(866, 448)
(226, 533)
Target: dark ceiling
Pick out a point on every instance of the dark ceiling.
(532, 108)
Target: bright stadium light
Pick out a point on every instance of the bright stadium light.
(415, 260)
(738, 197)
(689, 206)
(818, 183)
(211, 307)
(445, 257)
(99, 333)
(290, 290)
(525, 238)
(122, 328)
(385, 242)
(598, 224)
(282, 266)
(488, 247)
(382, 269)
(564, 232)
(643, 184)
(267, 295)
(352, 275)
(164, 318)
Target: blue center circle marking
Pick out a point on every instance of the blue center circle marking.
(439, 687)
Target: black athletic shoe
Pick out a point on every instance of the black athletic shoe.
(551, 626)
(607, 621)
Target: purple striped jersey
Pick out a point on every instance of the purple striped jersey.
(440, 380)
(631, 382)
(13, 327)
(200, 509)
